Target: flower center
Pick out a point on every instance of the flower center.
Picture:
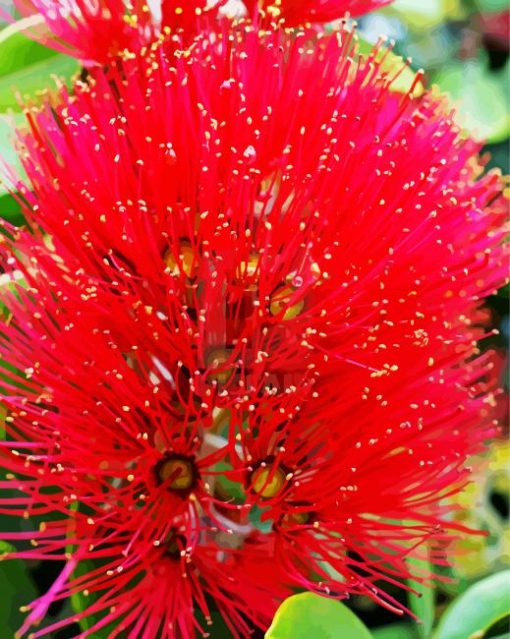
(267, 482)
(185, 262)
(280, 303)
(297, 518)
(178, 473)
(216, 361)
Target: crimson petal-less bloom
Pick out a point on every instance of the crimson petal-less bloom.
(98, 30)
(239, 350)
(298, 12)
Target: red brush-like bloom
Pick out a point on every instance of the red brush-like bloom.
(97, 30)
(301, 11)
(249, 313)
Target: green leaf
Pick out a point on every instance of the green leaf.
(10, 209)
(27, 68)
(395, 631)
(423, 603)
(17, 590)
(481, 98)
(18, 51)
(8, 124)
(308, 615)
(32, 80)
(498, 629)
(478, 609)
(80, 602)
(425, 14)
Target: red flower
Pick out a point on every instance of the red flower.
(298, 12)
(97, 30)
(249, 312)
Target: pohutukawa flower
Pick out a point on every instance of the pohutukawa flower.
(97, 30)
(298, 12)
(240, 347)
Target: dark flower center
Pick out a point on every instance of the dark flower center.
(178, 473)
(267, 482)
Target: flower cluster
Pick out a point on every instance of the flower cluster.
(241, 357)
(98, 30)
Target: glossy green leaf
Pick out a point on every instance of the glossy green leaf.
(479, 608)
(308, 615)
(499, 629)
(18, 51)
(423, 603)
(17, 590)
(27, 68)
(480, 96)
(34, 79)
(10, 209)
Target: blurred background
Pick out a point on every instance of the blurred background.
(463, 46)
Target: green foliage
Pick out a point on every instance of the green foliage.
(478, 610)
(425, 14)
(17, 590)
(27, 68)
(395, 631)
(308, 615)
(492, 5)
(8, 155)
(10, 209)
(481, 97)
(499, 630)
(423, 603)
(18, 51)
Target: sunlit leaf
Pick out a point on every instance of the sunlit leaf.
(425, 14)
(9, 208)
(308, 615)
(480, 96)
(478, 609)
(27, 68)
(18, 51)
